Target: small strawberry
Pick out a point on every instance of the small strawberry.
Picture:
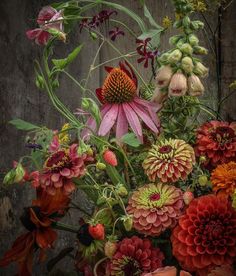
(110, 248)
(128, 223)
(97, 231)
(110, 158)
(188, 197)
(100, 166)
(202, 180)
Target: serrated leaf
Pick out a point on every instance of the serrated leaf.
(148, 15)
(62, 63)
(131, 140)
(23, 125)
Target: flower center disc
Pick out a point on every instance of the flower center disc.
(118, 87)
(223, 135)
(165, 149)
(58, 161)
(155, 197)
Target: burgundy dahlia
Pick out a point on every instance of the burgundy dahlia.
(206, 234)
(134, 256)
(61, 167)
(217, 142)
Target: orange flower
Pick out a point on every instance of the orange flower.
(223, 179)
(38, 220)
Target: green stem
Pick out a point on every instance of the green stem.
(97, 264)
(65, 227)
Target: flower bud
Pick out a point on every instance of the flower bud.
(198, 50)
(193, 40)
(200, 70)
(164, 58)
(188, 197)
(186, 48)
(203, 180)
(110, 248)
(178, 85)
(195, 87)
(101, 166)
(163, 76)
(20, 172)
(202, 159)
(174, 39)
(175, 56)
(187, 64)
(122, 191)
(128, 223)
(159, 96)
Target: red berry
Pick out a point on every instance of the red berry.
(110, 157)
(97, 231)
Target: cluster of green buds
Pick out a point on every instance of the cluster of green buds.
(181, 68)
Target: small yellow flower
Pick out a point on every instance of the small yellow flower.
(199, 5)
(166, 22)
(64, 137)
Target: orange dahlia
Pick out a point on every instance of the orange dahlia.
(206, 235)
(223, 178)
(169, 160)
(155, 207)
(217, 142)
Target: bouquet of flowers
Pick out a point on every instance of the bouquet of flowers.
(162, 180)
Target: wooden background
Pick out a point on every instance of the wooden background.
(20, 98)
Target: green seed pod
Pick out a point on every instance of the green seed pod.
(203, 180)
(122, 191)
(101, 166)
(128, 223)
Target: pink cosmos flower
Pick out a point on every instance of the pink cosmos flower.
(45, 20)
(121, 105)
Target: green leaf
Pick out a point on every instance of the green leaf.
(23, 125)
(154, 34)
(131, 140)
(62, 63)
(148, 15)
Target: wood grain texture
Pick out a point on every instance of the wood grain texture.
(21, 99)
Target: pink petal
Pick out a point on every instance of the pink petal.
(42, 38)
(108, 120)
(32, 34)
(65, 172)
(122, 124)
(58, 184)
(90, 125)
(149, 107)
(146, 119)
(133, 121)
(55, 177)
(45, 14)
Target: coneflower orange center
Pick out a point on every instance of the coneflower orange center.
(118, 87)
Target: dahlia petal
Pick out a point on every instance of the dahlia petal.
(108, 120)
(133, 121)
(151, 218)
(58, 184)
(69, 187)
(65, 172)
(55, 177)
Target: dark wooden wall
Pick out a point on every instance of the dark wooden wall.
(20, 98)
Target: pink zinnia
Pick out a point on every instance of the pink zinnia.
(60, 168)
(121, 105)
(46, 19)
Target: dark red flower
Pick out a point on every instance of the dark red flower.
(135, 256)
(217, 142)
(38, 220)
(206, 234)
(145, 52)
(115, 32)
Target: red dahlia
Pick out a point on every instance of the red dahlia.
(217, 142)
(206, 234)
(135, 256)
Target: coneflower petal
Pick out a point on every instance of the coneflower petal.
(122, 123)
(146, 119)
(133, 121)
(108, 120)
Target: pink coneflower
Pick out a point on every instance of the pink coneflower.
(48, 18)
(122, 106)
